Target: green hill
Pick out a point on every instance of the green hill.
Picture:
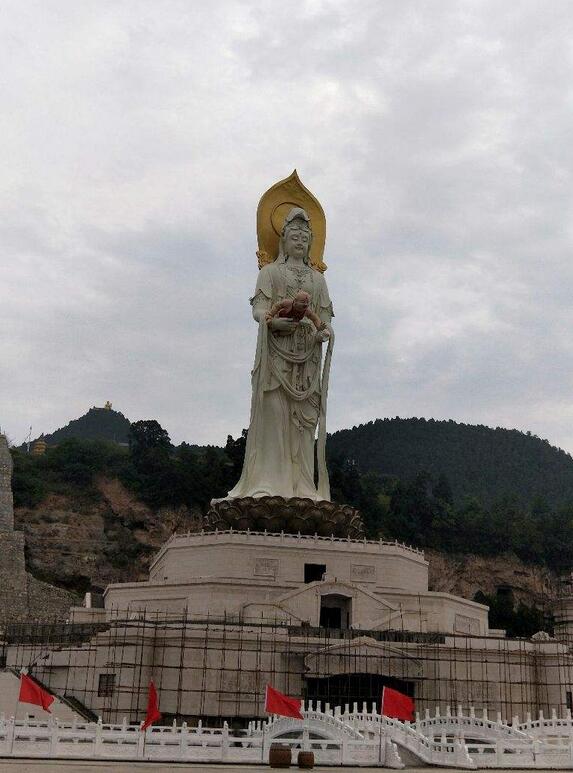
(97, 424)
(477, 461)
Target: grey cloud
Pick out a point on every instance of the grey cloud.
(139, 136)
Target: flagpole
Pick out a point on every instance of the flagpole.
(11, 749)
(380, 727)
(264, 723)
(18, 696)
(23, 672)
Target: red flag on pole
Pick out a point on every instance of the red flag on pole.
(397, 705)
(153, 713)
(31, 692)
(277, 703)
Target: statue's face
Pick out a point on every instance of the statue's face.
(297, 243)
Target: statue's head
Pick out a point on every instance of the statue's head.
(296, 235)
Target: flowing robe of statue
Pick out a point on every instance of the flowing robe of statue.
(289, 385)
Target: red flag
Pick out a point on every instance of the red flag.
(397, 705)
(31, 692)
(153, 713)
(277, 703)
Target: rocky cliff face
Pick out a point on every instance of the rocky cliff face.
(110, 539)
(465, 575)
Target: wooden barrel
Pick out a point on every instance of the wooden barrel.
(306, 760)
(280, 756)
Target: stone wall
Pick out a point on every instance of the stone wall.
(22, 597)
(6, 502)
(13, 583)
(46, 602)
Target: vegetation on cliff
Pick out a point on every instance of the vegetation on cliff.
(516, 619)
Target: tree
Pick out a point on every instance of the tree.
(443, 491)
(471, 528)
(146, 435)
(374, 504)
(412, 510)
(28, 486)
(151, 449)
(521, 621)
(235, 450)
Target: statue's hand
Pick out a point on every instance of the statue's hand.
(322, 335)
(283, 325)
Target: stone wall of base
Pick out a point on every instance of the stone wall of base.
(23, 597)
(13, 579)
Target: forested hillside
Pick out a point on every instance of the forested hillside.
(477, 461)
(418, 508)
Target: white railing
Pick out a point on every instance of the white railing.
(96, 740)
(537, 755)
(469, 725)
(336, 736)
(493, 743)
(288, 537)
(444, 752)
(553, 726)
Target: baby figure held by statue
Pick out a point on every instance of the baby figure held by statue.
(297, 309)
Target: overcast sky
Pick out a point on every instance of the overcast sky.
(138, 137)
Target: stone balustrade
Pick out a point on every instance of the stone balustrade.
(336, 736)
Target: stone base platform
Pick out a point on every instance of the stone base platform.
(293, 516)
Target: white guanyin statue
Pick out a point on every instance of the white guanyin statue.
(292, 307)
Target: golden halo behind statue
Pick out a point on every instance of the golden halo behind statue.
(275, 205)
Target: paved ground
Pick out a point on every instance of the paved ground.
(37, 766)
(88, 766)
(70, 766)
